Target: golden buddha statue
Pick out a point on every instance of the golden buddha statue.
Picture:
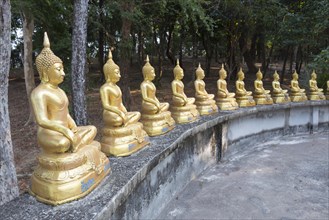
(261, 95)
(156, 118)
(183, 110)
(315, 92)
(71, 164)
(327, 91)
(296, 94)
(122, 134)
(225, 100)
(279, 95)
(204, 102)
(243, 97)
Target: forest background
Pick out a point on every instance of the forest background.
(282, 35)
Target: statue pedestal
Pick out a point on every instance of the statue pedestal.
(184, 114)
(316, 96)
(327, 96)
(123, 141)
(281, 98)
(157, 124)
(264, 99)
(60, 178)
(227, 103)
(245, 101)
(206, 107)
(298, 97)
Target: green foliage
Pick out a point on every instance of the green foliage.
(320, 64)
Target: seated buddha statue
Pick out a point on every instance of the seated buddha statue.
(122, 133)
(327, 91)
(261, 95)
(156, 117)
(315, 92)
(225, 100)
(71, 163)
(279, 95)
(243, 97)
(296, 94)
(204, 102)
(182, 109)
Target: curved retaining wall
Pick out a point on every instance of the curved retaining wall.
(141, 185)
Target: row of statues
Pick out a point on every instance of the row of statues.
(72, 163)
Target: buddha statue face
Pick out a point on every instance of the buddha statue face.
(148, 70)
(276, 76)
(114, 75)
(111, 70)
(295, 76)
(313, 75)
(178, 71)
(199, 72)
(240, 75)
(55, 74)
(222, 72)
(259, 75)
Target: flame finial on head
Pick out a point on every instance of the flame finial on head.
(147, 68)
(199, 70)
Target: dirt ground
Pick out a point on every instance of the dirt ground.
(24, 136)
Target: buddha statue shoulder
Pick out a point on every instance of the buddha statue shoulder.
(225, 100)
(279, 95)
(183, 109)
(243, 97)
(297, 94)
(156, 118)
(315, 92)
(122, 134)
(261, 95)
(67, 149)
(205, 102)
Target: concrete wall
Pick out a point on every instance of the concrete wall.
(141, 185)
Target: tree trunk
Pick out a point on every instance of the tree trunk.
(125, 53)
(169, 46)
(79, 40)
(284, 64)
(8, 179)
(101, 40)
(28, 27)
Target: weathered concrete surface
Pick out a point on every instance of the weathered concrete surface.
(141, 184)
(285, 178)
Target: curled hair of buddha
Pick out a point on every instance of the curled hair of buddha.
(109, 66)
(240, 73)
(46, 59)
(147, 67)
(177, 68)
(222, 70)
(199, 70)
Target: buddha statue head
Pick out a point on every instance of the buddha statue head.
(259, 74)
(178, 71)
(148, 70)
(240, 74)
(199, 72)
(276, 76)
(111, 70)
(295, 75)
(49, 66)
(313, 75)
(222, 72)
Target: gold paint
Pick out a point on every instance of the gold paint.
(205, 102)
(296, 94)
(243, 97)
(279, 95)
(315, 92)
(261, 96)
(156, 118)
(122, 134)
(225, 100)
(183, 110)
(71, 164)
